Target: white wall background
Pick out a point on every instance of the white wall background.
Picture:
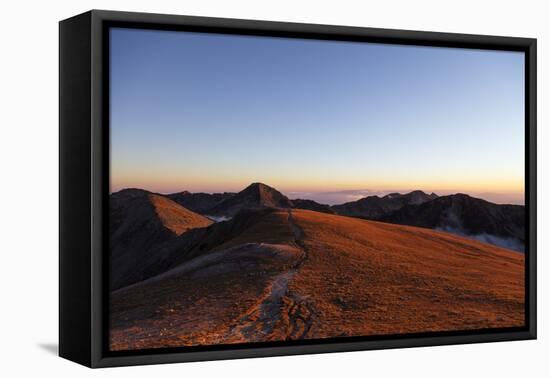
(29, 174)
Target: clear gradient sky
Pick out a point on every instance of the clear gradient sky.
(205, 112)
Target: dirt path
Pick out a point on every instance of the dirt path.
(300, 310)
(278, 313)
(264, 316)
(298, 237)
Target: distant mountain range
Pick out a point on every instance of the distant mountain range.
(147, 229)
(254, 196)
(374, 207)
(461, 214)
(199, 202)
(312, 205)
(502, 225)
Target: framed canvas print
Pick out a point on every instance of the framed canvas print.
(234, 188)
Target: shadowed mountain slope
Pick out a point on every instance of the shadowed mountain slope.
(287, 274)
(374, 207)
(199, 202)
(255, 196)
(311, 205)
(140, 224)
(502, 225)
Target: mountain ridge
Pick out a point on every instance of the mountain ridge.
(199, 202)
(255, 196)
(141, 222)
(463, 214)
(374, 207)
(497, 224)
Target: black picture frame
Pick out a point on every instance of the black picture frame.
(84, 185)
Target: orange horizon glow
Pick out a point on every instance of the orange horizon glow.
(165, 182)
(495, 190)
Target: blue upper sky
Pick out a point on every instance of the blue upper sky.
(206, 112)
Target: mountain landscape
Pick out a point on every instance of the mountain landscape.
(275, 207)
(255, 196)
(461, 214)
(198, 269)
(502, 225)
(307, 204)
(199, 202)
(375, 207)
(141, 223)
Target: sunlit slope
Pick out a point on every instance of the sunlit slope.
(373, 278)
(294, 274)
